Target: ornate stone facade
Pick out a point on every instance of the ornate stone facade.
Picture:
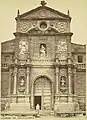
(42, 63)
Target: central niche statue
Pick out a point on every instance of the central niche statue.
(42, 50)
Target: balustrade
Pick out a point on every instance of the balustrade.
(81, 66)
(4, 65)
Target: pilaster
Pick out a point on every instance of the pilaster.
(28, 81)
(57, 76)
(74, 72)
(10, 78)
(32, 97)
(15, 80)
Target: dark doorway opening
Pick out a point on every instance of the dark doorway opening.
(37, 100)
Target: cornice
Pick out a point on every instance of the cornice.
(79, 44)
(78, 52)
(41, 34)
(45, 18)
(7, 41)
(8, 52)
(80, 70)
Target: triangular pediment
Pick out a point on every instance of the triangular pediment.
(36, 30)
(43, 12)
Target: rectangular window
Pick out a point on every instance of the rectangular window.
(80, 59)
(6, 59)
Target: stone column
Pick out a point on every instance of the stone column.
(10, 77)
(32, 96)
(69, 80)
(57, 79)
(15, 81)
(74, 80)
(52, 96)
(28, 81)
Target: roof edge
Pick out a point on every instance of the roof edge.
(8, 41)
(46, 7)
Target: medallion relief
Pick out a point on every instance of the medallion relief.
(62, 45)
(23, 47)
(62, 27)
(25, 26)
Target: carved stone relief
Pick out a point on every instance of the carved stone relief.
(62, 45)
(25, 26)
(42, 13)
(23, 49)
(21, 72)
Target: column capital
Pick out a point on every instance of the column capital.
(15, 71)
(28, 70)
(69, 70)
(74, 71)
(57, 70)
(10, 70)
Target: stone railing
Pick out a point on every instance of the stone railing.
(4, 65)
(81, 66)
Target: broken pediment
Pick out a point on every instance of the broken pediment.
(36, 30)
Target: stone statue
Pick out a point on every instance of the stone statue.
(42, 50)
(63, 82)
(22, 82)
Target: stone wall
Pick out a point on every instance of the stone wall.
(81, 89)
(4, 83)
(41, 71)
(81, 83)
(35, 46)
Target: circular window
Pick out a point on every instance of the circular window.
(43, 25)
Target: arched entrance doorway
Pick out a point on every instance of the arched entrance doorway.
(42, 93)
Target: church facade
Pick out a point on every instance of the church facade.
(41, 65)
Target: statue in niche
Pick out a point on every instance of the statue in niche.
(22, 82)
(21, 86)
(63, 81)
(42, 50)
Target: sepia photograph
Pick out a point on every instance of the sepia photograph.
(43, 59)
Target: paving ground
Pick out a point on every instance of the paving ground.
(54, 118)
(61, 118)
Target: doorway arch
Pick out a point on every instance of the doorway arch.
(43, 92)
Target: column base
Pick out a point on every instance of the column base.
(66, 104)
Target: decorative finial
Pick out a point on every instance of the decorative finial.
(68, 13)
(18, 13)
(43, 3)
